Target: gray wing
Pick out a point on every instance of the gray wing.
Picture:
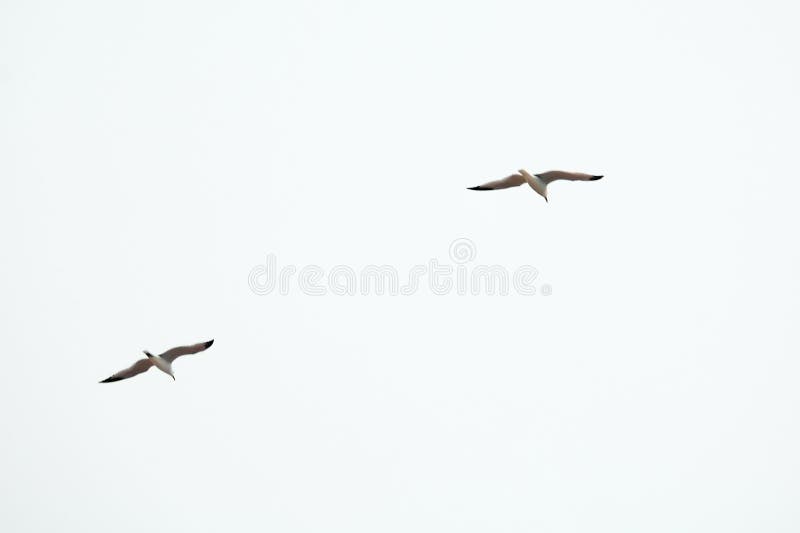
(142, 365)
(174, 353)
(553, 175)
(514, 180)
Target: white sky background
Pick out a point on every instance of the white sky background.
(153, 153)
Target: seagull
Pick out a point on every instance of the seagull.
(162, 362)
(538, 182)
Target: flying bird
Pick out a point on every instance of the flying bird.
(162, 362)
(538, 182)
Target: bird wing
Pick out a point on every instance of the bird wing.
(174, 353)
(553, 175)
(514, 180)
(142, 365)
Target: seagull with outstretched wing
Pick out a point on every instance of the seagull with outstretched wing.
(538, 182)
(163, 362)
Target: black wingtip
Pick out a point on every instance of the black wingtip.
(209, 343)
(110, 380)
(596, 178)
(479, 188)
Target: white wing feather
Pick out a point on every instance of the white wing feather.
(174, 353)
(142, 365)
(553, 175)
(514, 180)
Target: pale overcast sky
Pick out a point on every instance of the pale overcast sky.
(153, 154)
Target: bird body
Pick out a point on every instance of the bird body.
(537, 182)
(162, 362)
